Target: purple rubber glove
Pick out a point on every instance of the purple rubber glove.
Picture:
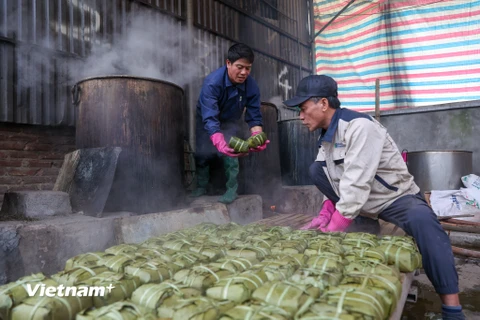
(338, 223)
(323, 217)
(219, 142)
(259, 148)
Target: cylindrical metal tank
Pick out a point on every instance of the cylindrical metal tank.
(439, 170)
(298, 150)
(260, 171)
(145, 117)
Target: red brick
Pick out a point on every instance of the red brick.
(38, 147)
(7, 180)
(46, 186)
(30, 187)
(52, 156)
(37, 179)
(22, 171)
(11, 163)
(39, 163)
(47, 172)
(4, 188)
(12, 145)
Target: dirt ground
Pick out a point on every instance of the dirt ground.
(428, 305)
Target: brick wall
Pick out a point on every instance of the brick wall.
(31, 156)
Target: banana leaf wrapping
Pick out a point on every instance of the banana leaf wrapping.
(298, 259)
(255, 228)
(121, 310)
(390, 284)
(289, 247)
(206, 227)
(385, 297)
(272, 236)
(286, 295)
(216, 240)
(152, 296)
(178, 244)
(14, 293)
(322, 311)
(319, 246)
(151, 271)
(304, 234)
(123, 284)
(232, 235)
(276, 270)
(196, 308)
(76, 275)
(358, 300)
(250, 253)
(89, 259)
(372, 254)
(122, 248)
(405, 257)
(368, 266)
(200, 277)
(238, 145)
(237, 288)
(50, 308)
(233, 264)
(338, 236)
(257, 140)
(348, 244)
(228, 226)
(259, 243)
(117, 263)
(397, 240)
(152, 242)
(211, 250)
(325, 263)
(151, 252)
(280, 230)
(184, 259)
(255, 312)
(314, 277)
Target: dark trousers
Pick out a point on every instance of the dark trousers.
(417, 219)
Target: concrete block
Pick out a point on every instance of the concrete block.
(36, 204)
(245, 209)
(139, 228)
(45, 246)
(300, 199)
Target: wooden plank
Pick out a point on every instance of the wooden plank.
(407, 279)
(67, 172)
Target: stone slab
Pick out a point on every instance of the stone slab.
(87, 176)
(245, 209)
(45, 246)
(36, 204)
(139, 228)
(300, 199)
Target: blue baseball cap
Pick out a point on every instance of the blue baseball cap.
(313, 86)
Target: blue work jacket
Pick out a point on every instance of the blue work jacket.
(221, 101)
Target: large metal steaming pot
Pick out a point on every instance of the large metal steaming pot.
(439, 170)
(145, 117)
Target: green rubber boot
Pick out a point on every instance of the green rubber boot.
(231, 167)
(203, 175)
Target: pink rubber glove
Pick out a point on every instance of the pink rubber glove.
(323, 217)
(259, 148)
(338, 223)
(219, 142)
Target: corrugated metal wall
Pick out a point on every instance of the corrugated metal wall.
(45, 45)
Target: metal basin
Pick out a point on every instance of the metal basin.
(439, 169)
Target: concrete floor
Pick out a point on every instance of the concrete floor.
(428, 305)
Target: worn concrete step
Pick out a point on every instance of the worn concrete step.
(36, 204)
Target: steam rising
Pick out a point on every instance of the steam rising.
(151, 46)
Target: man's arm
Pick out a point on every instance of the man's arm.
(364, 145)
(208, 102)
(253, 116)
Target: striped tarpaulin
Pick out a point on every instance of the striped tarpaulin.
(424, 52)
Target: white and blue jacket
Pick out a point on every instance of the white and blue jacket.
(363, 164)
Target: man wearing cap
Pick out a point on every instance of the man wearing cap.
(360, 169)
(226, 93)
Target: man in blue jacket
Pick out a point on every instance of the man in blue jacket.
(226, 93)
